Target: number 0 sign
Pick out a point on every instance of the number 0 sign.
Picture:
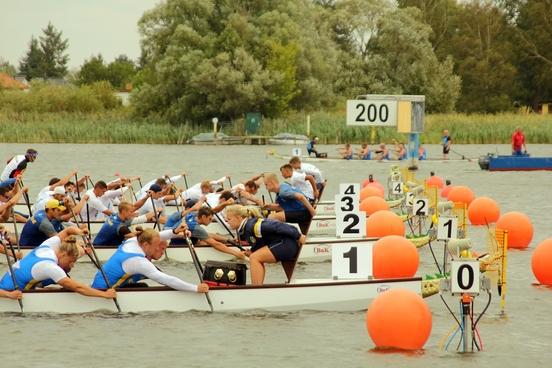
(464, 277)
(351, 261)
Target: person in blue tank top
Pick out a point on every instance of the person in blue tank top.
(291, 205)
(116, 227)
(271, 241)
(346, 152)
(43, 224)
(422, 153)
(132, 262)
(446, 142)
(46, 265)
(364, 152)
(310, 146)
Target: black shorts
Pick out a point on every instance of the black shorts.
(446, 150)
(297, 217)
(284, 250)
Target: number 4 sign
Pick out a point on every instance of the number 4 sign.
(351, 261)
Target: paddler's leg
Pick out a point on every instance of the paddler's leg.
(278, 216)
(257, 260)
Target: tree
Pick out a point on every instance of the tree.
(93, 70)
(121, 71)
(7, 67)
(31, 63)
(53, 49)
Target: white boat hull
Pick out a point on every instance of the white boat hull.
(319, 295)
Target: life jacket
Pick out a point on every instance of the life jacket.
(191, 220)
(114, 272)
(173, 221)
(310, 145)
(423, 156)
(109, 232)
(23, 275)
(289, 204)
(251, 232)
(31, 234)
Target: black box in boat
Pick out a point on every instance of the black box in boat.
(225, 273)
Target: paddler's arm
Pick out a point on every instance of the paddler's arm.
(300, 197)
(86, 290)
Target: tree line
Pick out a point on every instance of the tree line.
(205, 58)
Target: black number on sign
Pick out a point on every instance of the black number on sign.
(420, 211)
(349, 205)
(352, 255)
(383, 113)
(448, 225)
(349, 229)
(398, 188)
(372, 113)
(460, 277)
(362, 110)
(350, 189)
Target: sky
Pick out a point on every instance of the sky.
(108, 27)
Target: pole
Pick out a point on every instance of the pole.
(199, 269)
(16, 287)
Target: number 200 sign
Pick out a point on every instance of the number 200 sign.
(372, 112)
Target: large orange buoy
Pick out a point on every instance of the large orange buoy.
(435, 181)
(370, 191)
(541, 262)
(373, 204)
(461, 193)
(520, 229)
(369, 180)
(394, 257)
(445, 191)
(400, 319)
(483, 210)
(383, 223)
(376, 185)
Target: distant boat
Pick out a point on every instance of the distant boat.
(209, 138)
(494, 162)
(289, 138)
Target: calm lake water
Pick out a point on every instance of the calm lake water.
(301, 339)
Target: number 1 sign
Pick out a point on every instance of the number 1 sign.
(351, 261)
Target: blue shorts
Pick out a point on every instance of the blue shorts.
(284, 250)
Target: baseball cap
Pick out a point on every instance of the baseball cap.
(54, 203)
(155, 188)
(57, 190)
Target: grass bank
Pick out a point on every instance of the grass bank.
(117, 126)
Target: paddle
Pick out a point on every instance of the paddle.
(155, 214)
(175, 190)
(199, 269)
(16, 287)
(15, 229)
(26, 196)
(185, 181)
(226, 227)
(87, 210)
(461, 155)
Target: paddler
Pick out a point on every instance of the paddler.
(8, 200)
(132, 262)
(308, 169)
(16, 166)
(43, 224)
(96, 208)
(47, 265)
(346, 152)
(291, 204)
(305, 183)
(196, 191)
(271, 241)
(116, 228)
(311, 148)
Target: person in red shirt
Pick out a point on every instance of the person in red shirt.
(518, 142)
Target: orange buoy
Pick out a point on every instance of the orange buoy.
(383, 223)
(370, 191)
(541, 262)
(483, 210)
(461, 193)
(400, 319)
(394, 256)
(520, 229)
(376, 185)
(373, 204)
(369, 180)
(435, 181)
(446, 191)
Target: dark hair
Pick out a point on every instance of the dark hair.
(4, 190)
(226, 195)
(100, 184)
(53, 181)
(161, 182)
(294, 160)
(32, 152)
(204, 211)
(68, 183)
(286, 167)
(251, 184)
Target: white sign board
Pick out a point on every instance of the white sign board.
(372, 112)
(397, 187)
(350, 224)
(447, 228)
(420, 207)
(464, 277)
(351, 261)
(296, 152)
(347, 203)
(409, 199)
(349, 188)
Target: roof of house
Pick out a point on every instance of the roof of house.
(8, 82)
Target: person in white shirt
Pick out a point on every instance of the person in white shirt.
(305, 183)
(16, 165)
(95, 208)
(162, 182)
(195, 192)
(308, 169)
(52, 184)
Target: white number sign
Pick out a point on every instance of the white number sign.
(372, 112)
(351, 261)
(409, 200)
(397, 187)
(464, 277)
(350, 224)
(347, 203)
(349, 188)
(420, 207)
(296, 152)
(447, 228)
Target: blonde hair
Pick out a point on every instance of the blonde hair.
(205, 184)
(70, 247)
(243, 211)
(146, 235)
(123, 206)
(271, 177)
